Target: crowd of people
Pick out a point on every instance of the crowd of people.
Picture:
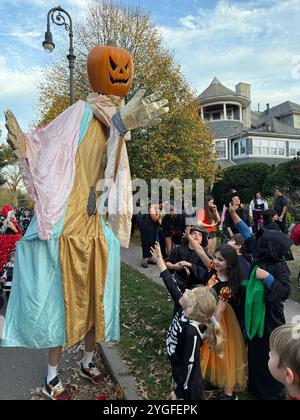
(228, 327)
(13, 225)
(165, 224)
(228, 331)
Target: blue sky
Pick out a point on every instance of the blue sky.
(253, 41)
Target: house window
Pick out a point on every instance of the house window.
(243, 147)
(229, 113)
(294, 148)
(273, 148)
(268, 148)
(239, 147)
(216, 116)
(236, 149)
(221, 149)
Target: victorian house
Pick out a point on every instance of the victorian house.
(242, 135)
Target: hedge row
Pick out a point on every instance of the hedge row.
(250, 178)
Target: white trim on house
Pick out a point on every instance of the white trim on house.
(222, 111)
(269, 144)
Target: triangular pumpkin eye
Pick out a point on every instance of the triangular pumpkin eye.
(112, 63)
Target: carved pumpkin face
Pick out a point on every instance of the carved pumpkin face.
(110, 70)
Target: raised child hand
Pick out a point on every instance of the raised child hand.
(156, 252)
(234, 204)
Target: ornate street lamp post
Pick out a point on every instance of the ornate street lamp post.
(57, 16)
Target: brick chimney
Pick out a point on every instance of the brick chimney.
(243, 89)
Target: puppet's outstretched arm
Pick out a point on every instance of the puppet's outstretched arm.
(15, 136)
(140, 112)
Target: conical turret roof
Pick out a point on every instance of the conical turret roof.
(216, 89)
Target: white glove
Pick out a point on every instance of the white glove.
(140, 112)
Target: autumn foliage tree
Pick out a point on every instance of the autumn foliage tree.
(181, 147)
(10, 176)
(7, 158)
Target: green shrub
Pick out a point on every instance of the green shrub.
(247, 179)
(286, 176)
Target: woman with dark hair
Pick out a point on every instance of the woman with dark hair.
(238, 243)
(257, 206)
(208, 218)
(228, 373)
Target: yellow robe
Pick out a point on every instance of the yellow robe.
(83, 247)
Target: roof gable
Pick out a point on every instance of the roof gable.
(216, 89)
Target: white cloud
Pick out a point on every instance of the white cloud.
(254, 41)
(30, 34)
(44, 4)
(2, 63)
(27, 38)
(15, 82)
(19, 92)
(188, 22)
(78, 3)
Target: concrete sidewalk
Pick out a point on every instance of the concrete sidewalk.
(22, 370)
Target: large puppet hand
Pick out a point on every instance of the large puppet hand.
(15, 136)
(140, 112)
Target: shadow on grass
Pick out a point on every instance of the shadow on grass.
(145, 318)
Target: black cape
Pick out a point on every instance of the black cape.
(268, 248)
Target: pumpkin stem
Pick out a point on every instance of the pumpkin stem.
(111, 42)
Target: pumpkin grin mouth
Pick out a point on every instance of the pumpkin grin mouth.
(118, 81)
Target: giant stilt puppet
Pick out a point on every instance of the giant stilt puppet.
(67, 269)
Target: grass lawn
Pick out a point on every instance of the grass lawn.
(145, 318)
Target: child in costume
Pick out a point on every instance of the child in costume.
(270, 280)
(230, 372)
(192, 324)
(284, 362)
(69, 257)
(186, 266)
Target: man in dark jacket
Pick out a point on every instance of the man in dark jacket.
(281, 208)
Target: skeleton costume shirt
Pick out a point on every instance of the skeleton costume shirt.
(184, 340)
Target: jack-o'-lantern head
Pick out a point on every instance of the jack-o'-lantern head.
(110, 70)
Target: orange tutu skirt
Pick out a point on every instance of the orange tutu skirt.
(231, 371)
